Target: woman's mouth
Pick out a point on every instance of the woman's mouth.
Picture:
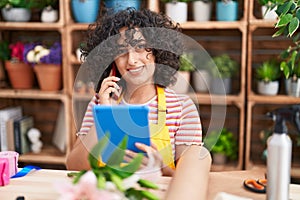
(135, 70)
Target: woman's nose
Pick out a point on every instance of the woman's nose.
(132, 57)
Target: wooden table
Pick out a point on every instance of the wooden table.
(38, 185)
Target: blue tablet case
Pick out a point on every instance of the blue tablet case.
(121, 120)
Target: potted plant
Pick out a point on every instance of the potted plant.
(46, 60)
(201, 10)
(117, 5)
(20, 74)
(49, 13)
(288, 25)
(17, 10)
(268, 9)
(177, 9)
(267, 75)
(184, 74)
(85, 11)
(222, 145)
(201, 77)
(227, 10)
(223, 68)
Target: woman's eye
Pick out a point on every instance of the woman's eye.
(140, 47)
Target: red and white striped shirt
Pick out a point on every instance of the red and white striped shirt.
(182, 118)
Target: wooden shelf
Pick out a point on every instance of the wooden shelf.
(31, 94)
(213, 25)
(48, 155)
(216, 99)
(31, 26)
(277, 99)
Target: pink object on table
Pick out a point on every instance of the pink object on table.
(4, 171)
(12, 158)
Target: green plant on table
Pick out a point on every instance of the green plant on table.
(223, 66)
(268, 71)
(222, 142)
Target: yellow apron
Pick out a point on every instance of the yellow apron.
(160, 132)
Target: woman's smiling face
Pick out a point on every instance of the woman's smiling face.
(136, 63)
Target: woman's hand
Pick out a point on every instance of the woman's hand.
(109, 86)
(152, 160)
(153, 163)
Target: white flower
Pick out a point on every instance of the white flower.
(35, 55)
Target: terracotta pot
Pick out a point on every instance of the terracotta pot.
(20, 74)
(49, 76)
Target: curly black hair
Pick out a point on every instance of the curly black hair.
(162, 36)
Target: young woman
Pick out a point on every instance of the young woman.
(145, 47)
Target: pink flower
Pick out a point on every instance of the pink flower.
(86, 189)
(17, 50)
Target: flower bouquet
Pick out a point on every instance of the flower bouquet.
(46, 62)
(20, 73)
(113, 180)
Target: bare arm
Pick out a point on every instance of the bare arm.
(77, 159)
(192, 170)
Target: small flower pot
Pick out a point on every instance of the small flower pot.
(85, 11)
(20, 74)
(201, 80)
(177, 11)
(227, 11)
(16, 14)
(268, 88)
(49, 15)
(268, 15)
(201, 11)
(292, 87)
(117, 5)
(49, 76)
(220, 86)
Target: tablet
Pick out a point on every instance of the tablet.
(121, 120)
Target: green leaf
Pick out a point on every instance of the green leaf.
(293, 26)
(149, 195)
(284, 20)
(296, 37)
(117, 181)
(147, 184)
(284, 54)
(78, 176)
(121, 173)
(279, 32)
(101, 180)
(117, 156)
(97, 150)
(297, 14)
(284, 67)
(285, 7)
(134, 164)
